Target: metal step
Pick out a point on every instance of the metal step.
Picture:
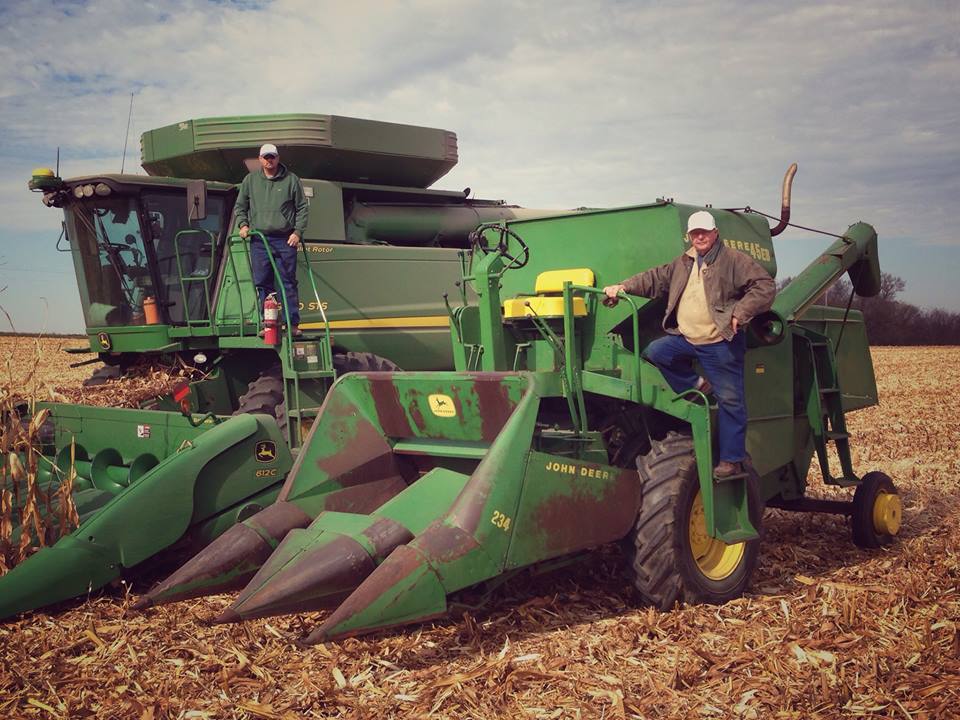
(441, 448)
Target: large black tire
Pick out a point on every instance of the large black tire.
(362, 362)
(665, 567)
(264, 396)
(877, 511)
(102, 375)
(265, 393)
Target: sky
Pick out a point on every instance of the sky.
(556, 104)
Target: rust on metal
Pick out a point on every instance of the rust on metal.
(320, 579)
(385, 535)
(445, 543)
(495, 405)
(586, 518)
(386, 399)
(231, 560)
(403, 561)
(366, 456)
(364, 499)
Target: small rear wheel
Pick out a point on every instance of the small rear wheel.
(877, 511)
(672, 558)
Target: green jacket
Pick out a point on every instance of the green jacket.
(735, 284)
(272, 204)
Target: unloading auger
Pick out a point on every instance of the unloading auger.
(554, 435)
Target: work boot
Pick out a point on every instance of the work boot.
(726, 469)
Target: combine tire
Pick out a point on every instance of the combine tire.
(877, 511)
(265, 396)
(672, 559)
(362, 362)
(102, 375)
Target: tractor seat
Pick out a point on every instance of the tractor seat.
(547, 301)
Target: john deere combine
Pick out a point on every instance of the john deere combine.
(161, 274)
(555, 435)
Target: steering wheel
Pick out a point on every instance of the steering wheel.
(479, 241)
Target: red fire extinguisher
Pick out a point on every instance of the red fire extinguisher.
(271, 320)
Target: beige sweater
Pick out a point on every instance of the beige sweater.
(694, 319)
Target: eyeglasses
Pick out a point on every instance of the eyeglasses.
(269, 157)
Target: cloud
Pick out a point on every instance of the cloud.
(557, 104)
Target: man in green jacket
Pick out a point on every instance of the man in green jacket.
(272, 201)
(712, 293)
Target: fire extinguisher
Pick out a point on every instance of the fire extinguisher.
(271, 320)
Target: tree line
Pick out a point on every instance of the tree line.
(890, 321)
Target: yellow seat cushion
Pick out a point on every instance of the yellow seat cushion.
(541, 306)
(552, 281)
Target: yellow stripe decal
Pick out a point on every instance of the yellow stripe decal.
(412, 321)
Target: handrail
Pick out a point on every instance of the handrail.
(636, 322)
(205, 278)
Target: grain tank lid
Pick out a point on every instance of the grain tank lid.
(322, 147)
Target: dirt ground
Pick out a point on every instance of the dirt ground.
(826, 629)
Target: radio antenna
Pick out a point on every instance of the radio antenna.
(58, 161)
(126, 137)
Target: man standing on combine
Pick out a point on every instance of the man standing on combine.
(712, 293)
(272, 201)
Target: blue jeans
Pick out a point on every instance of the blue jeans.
(722, 364)
(286, 259)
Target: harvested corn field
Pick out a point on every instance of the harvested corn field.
(826, 629)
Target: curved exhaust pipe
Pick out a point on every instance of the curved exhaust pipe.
(785, 205)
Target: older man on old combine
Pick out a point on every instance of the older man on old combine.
(712, 293)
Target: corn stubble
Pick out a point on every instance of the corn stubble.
(826, 630)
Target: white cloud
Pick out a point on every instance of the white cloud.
(555, 104)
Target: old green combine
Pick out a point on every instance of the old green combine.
(555, 435)
(162, 275)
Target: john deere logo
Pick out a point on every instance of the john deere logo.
(266, 451)
(104, 341)
(442, 405)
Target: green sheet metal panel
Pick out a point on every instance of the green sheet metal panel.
(312, 145)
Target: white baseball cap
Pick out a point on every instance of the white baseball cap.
(700, 220)
(268, 149)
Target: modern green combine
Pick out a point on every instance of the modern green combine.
(162, 275)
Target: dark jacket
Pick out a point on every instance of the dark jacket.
(735, 284)
(274, 204)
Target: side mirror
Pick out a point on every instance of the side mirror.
(196, 200)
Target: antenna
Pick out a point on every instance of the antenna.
(127, 136)
(58, 161)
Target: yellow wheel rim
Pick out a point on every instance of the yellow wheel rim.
(714, 558)
(887, 511)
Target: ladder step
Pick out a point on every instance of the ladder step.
(833, 435)
(441, 448)
(303, 413)
(310, 374)
(829, 390)
(728, 478)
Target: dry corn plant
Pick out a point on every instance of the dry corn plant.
(36, 501)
